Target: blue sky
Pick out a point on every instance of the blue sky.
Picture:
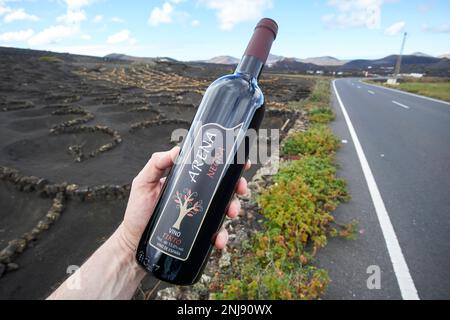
(201, 29)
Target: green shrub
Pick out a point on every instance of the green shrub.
(305, 193)
(273, 270)
(256, 283)
(292, 207)
(321, 93)
(321, 115)
(318, 140)
(319, 174)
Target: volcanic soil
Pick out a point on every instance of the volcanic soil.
(80, 128)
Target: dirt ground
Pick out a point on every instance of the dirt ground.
(82, 128)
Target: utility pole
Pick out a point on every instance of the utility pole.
(399, 61)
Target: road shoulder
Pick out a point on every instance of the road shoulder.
(348, 262)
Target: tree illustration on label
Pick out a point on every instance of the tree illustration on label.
(187, 205)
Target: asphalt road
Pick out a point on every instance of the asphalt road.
(396, 158)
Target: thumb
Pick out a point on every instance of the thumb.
(157, 165)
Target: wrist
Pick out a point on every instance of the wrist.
(124, 244)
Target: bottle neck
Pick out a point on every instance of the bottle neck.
(250, 66)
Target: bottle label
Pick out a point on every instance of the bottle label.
(197, 178)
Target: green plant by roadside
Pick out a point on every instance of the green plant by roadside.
(318, 140)
(276, 263)
(318, 99)
(274, 269)
(301, 201)
(321, 115)
(320, 95)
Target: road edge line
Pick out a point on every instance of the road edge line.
(401, 270)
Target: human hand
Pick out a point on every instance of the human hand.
(144, 193)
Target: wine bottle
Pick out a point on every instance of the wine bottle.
(179, 237)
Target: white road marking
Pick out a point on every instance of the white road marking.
(401, 270)
(371, 92)
(359, 87)
(400, 104)
(411, 94)
(344, 141)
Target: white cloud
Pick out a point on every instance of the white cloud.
(395, 29)
(53, 34)
(74, 13)
(161, 15)
(18, 15)
(117, 20)
(77, 4)
(355, 13)
(442, 28)
(69, 25)
(86, 37)
(16, 36)
(98, 18)
(195, 23)
(72, 17)
(4, 9)
(232, 12)
(120, 37)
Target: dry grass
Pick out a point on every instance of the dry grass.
(438, 88)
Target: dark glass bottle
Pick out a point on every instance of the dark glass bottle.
(191, 208)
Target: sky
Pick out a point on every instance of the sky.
(201, 29)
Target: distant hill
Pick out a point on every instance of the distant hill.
(324, 61)
(441, 68)
(274, 58)
(124, 57)
(410, 64)
(233, 60)
(389, 61)
(320, 61)
(421, 54)
(293, 65)
(417, 63)
(223, 60)
(65, 56)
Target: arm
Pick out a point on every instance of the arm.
(112, 272)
